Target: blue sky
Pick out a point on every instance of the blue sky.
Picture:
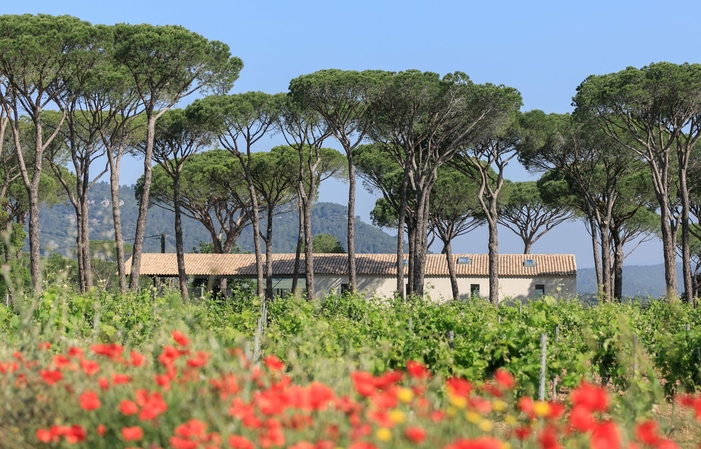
(542, 48)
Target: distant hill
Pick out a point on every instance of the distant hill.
(638, 280)
(58, 229)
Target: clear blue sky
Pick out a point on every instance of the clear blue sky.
(542, 48)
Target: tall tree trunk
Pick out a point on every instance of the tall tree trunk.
(256, 236)
(34, 253)
(400, 238)
(617, 265)
(606, 260)
(308, 240)
(79, 246)
(83, 204)
(115, 162)
(686, 236)
(180, 253)
(143, 207)
(451, 269)
(269, 254)
(87, 262)
(298, 249)
(669, 237)
(493, 248)
(420, 250)
(595, 251)
(351, 223)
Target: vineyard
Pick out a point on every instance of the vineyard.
(344, 371)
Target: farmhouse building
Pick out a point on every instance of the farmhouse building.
(521, 276)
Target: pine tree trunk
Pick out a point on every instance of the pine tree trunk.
(34, 253)
(256, 235)
(669, 237)
(87, 260)
(617, 265)
(351, 224)
(421, 236)
(117, 219)
(308, 243)
(79, 246)
(143, 207)
(298, 249)
(686, 237)
(400, 238)
(269, 255)
(493, 248)
(606, 261)
(180, 253)
(451, 269)
(595, 251)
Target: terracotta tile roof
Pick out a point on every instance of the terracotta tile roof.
(155, 264)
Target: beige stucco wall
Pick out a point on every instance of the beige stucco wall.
(438, 288)
(514, 288)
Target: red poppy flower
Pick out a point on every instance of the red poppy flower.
(44, 346)
(163, 381)
(119, 379)
(525, 404)
(101, 430)
(548, 438)
(319, 395)
(388, 379)
(111, 350)
(581, 419)
(180, 338)
(169, 355)
(556, 410)
(127, 407)
(75, 434)
(590, 396)
(605, 436)
(364, 383)
(61, 361)
(415, 434)
(482, 405)
(522, 432)
(132, 433)
(51, 376)
(458, 387)
(192, 428)
(103, 383)
(239, 442)
(199, 360)
(181, 443)
(136, 359)
(45, 436)
(152, 405)
(417, 370)
(437, 416)
(385, 399)
(75, 352)
(666, 444)
(646, 432)
(89, 367)
(89, 401)
(273, 363)
(504, 379)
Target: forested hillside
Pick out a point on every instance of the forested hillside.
(58, 230)
(638, 280)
